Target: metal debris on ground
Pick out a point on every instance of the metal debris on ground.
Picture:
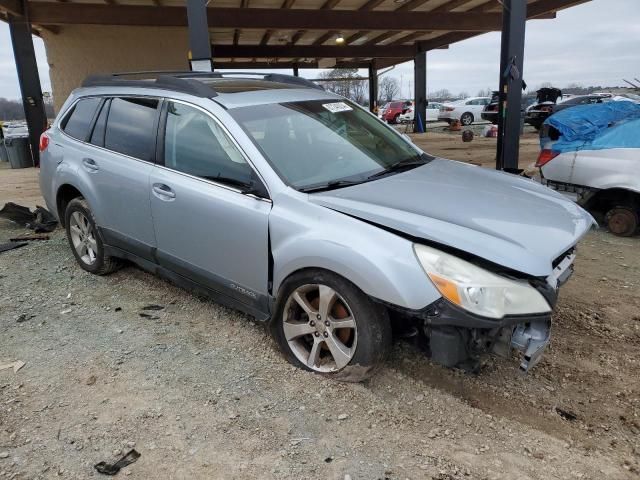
(17, 365)
(32, 236)
(566, 414)
(40, 220)
(153, 307)
(467, 136)
(113, 468)
(4, 247)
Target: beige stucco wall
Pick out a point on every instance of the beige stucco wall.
(81, 50)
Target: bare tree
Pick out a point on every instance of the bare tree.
(487, 92)
(13, 110)
(345, 82)
(440, 95)
(463, 94)
(388, 89)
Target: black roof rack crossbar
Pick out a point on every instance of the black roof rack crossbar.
(269, 77)
(163, 80)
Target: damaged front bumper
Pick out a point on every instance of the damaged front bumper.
(457, 338)
(530, 339)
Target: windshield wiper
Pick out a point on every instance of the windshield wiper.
(399, 166)
(330, 185)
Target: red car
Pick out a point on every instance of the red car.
(392, 110)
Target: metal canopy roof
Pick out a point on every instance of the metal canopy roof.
(286, 33)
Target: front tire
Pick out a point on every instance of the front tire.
(85, 240)
(325, 324)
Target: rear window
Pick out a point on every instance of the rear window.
(78, 123)
(131, 127)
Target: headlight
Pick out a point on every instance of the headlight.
(477, 290)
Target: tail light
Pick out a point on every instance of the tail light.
(546, 109)
(448, 109)
(44, 141)
(546, 156)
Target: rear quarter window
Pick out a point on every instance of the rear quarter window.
(78, 123)
(131, 127)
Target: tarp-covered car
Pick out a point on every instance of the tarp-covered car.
(592, 153)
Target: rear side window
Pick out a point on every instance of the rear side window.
(78, 123)
(131, 127)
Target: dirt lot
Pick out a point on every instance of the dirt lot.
(201, 391)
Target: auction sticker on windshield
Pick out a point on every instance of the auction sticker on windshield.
(337, 107)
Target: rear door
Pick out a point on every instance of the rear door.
(119, 170)
(206, 228)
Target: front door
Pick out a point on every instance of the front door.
(206, 228)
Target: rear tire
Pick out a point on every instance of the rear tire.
(325, 324)
(396, 119)
(85, 240)
(466, 119)
(622, 221)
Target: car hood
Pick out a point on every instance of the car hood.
(508, 220)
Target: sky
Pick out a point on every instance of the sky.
(597, 43)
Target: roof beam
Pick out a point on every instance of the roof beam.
(407, 38)
(538, 10)
(328, 4)
(384, 63)
(325, 19)
(324, 37)
(542, 7)
(313, 51)
(13, 7)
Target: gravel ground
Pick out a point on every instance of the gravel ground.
(201, 391)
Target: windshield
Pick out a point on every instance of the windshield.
(315, 143)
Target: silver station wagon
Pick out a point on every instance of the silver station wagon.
(302, 209)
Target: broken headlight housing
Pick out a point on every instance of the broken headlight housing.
(477, 290)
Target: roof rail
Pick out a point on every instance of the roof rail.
(270, 77)
(164, 80)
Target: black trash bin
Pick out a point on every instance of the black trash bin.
(3, 152)
(19, 152)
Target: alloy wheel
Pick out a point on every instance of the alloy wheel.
(83, 237)
(320, 328)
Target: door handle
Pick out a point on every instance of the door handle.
(163, 191)
(90, 164)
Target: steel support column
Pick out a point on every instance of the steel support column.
(514, 17)
(296, 73)
(200, 58)
(30, 88)
(373, 87)
(420, 91)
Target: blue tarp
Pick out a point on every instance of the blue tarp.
(597, 127)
